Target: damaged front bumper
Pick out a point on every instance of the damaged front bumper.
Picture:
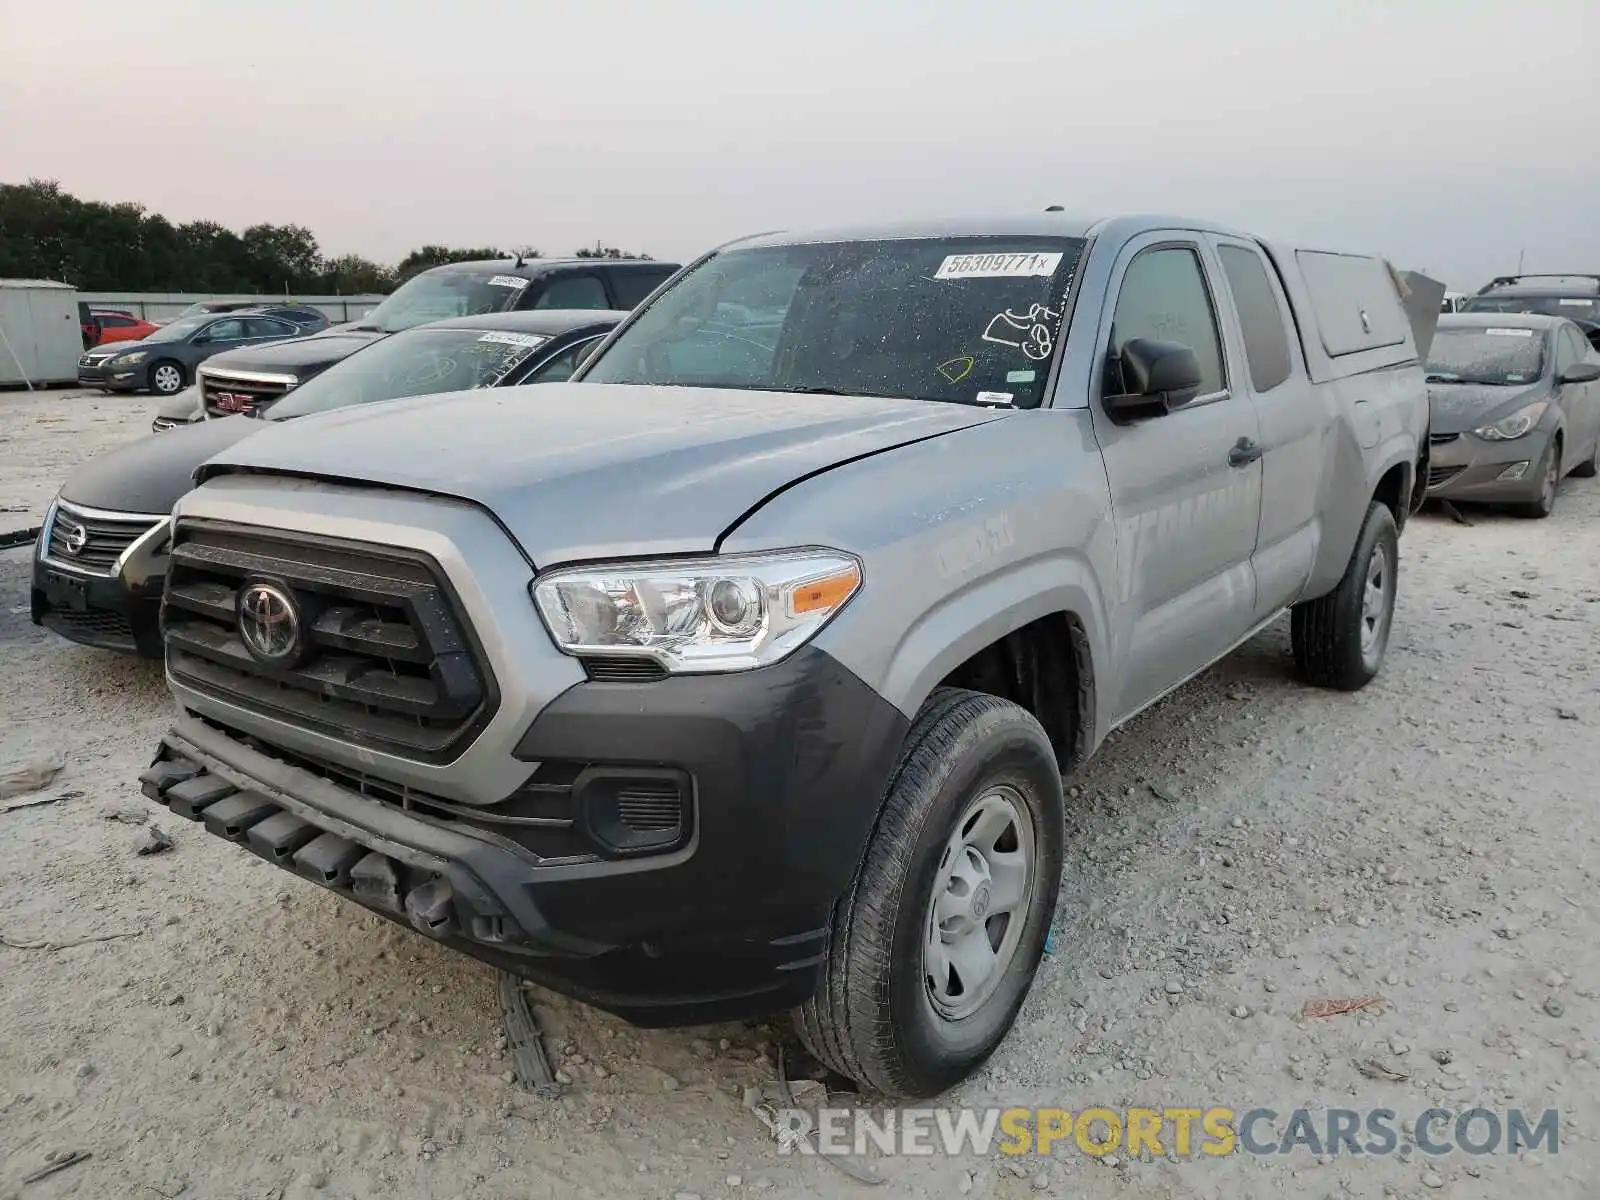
(659, 940)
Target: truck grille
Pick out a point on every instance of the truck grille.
(227, 393)
(91, 540)
(381, 656)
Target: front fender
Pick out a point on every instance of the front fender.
(985, 610)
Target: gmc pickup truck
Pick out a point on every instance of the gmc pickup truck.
(740, 675)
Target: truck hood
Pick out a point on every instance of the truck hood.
(304, 356)
(1458, 407)
(148, 476)
(579, 471)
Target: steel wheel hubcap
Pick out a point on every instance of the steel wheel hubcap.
(980, 903)
(1375, 604)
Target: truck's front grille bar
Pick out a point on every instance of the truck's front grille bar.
(386, 660)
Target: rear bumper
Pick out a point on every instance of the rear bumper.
(1470, 468)
(786, 767)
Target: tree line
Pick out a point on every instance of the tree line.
(46, 233)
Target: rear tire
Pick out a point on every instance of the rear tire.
(959, 881)
(166, 377)
(1340, 639)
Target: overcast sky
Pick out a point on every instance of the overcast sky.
(1450, 135)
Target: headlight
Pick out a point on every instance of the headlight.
(42, 543)
(128, 360)
(1514, 426)
(718, 614)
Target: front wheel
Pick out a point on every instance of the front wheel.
(1339, 640)
(1590, 467)
(166, 378)
(1549, 485)
(936, 944)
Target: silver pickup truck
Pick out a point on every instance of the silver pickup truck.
(741, 675)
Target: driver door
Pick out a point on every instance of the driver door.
(1185, 502)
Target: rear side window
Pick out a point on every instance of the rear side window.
(1164, 298)
(1266, 340)
(631, 287)
(265, 327)
(575, 291)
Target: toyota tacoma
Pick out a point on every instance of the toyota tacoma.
(742, 675)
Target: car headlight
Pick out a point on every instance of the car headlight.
(42, 543)
(1514, 426)
(129, 360)
(715, 614)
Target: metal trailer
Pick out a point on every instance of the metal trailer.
(40, 338)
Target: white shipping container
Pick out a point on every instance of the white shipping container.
(40, 338)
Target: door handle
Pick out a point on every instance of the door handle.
(1244, 453)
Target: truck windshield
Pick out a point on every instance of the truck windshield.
(440, 295)
(1498, 357)
(967, 320)
(417, 363)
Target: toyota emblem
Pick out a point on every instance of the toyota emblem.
(74, 537)
(269, 624)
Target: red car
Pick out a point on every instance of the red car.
(113, 325)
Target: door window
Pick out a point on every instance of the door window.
(1579, 343)
(1164, 298)
(231, 330)
(1566, 353)
(574, 291)
(1266, 341)
(562, 366)
(631, 286)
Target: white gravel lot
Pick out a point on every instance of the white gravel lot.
(1246, 846)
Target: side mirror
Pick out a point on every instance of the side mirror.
(1584, 372)
(1157, 377)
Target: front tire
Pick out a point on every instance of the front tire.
(1549, 485)
(1589, 468)
(166, 378)
(935, 945)
(1339, 640)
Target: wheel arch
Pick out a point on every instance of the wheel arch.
(1033, 634)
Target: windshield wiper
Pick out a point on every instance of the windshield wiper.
(808, 390)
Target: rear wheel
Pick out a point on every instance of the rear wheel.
(1340, 639)
(1549, 484)
(166, 378)
(936, 944)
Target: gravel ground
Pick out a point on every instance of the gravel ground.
(1244, 847)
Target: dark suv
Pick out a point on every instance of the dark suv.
(255, 377)
(1573, 296)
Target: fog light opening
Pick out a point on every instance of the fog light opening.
(1514, 472)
